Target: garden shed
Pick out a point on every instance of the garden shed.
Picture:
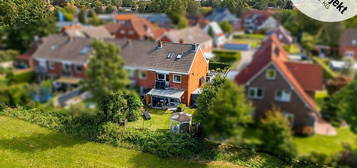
(180, 122)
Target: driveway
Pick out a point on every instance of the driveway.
(246, 58)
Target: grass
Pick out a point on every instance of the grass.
(160, 119)
(325, 144)
(27, 145)
(319, 98)
(254, 43)
(292, 49)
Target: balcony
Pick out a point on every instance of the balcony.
(161, 84)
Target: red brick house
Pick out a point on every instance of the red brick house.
(165, 73)
(189, 35)
(348, 43)
(135, 28)
(271, 80)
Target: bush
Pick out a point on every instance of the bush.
(15, 95)
(119, 107)
(163, 144)
(213, 65)
(276, 135)
(8, 55)
(227, 56)
(23, 77)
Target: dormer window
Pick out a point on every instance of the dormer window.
(270, 74)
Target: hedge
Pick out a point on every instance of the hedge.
(213, 65)
(22, 77)
(227, 56)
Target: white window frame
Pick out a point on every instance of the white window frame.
(131, 72)
(122, 31)
(267, 74)
(131, 32)
(141, 75)
(285, 96)
(51, 65)
(255, 96)
(174, 80)
(350, 53)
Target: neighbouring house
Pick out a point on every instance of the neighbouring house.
(283, 35)
(259, 21)
(189, 35)
(96, 32)
(165, 73)
(180, 122)
(135, 28)
(223, 14)
(216, 33)
(107, 17)
(161, 19)
(348, 43)
(272, 81)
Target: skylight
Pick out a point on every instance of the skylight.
(84, 50)
(179, 56)
(169, 55)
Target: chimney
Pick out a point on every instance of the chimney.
(160, 44)
(194, 46)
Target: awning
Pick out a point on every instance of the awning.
(172, 93)
(68, 80)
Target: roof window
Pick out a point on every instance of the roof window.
(84, 50)
(169, 55)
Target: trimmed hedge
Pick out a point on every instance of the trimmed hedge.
(22, 77)
(213, 65)
(227, 56)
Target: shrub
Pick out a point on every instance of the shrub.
(15, 95)
(23, 77)
(121, 106)
(227, 56)
(163, 144)
(8, 55)
(276, 135)
(213, 65)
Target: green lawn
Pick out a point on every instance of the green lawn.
(325, 144)
(27, 145)
(254, 43)
(159, 120)
(319, 98)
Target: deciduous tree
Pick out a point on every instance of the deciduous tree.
(229, 112)
(105, 72)
(276, 136)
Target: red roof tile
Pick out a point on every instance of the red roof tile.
(308, 75)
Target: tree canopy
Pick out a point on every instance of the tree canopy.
(105, 73)
(276, 135)
(22, 20)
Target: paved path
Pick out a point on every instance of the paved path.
(246, 58)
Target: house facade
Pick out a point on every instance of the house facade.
(348, 43)
(223, 14)
(166, 74)
(215, 31)
(260, 23)
(272, 81)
